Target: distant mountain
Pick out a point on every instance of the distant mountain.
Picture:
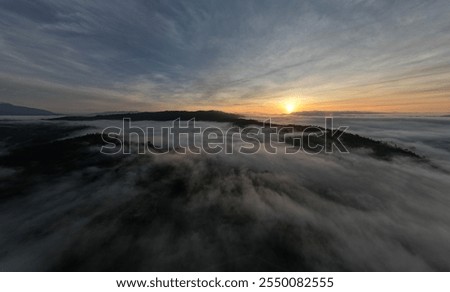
(7, 109)
(380, 149)
(112, 113)
(212, 116)
(335, 113)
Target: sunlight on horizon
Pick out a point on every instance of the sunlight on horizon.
(290, 107)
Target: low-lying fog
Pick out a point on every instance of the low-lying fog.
(239, 212)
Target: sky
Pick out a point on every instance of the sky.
(264, 57)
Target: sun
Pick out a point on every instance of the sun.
(290, 107)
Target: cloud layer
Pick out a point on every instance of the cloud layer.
(226, 213)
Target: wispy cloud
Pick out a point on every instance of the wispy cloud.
(174, 54)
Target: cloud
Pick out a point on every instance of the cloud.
(239, 212)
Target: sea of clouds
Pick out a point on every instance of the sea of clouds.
(173, 212)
